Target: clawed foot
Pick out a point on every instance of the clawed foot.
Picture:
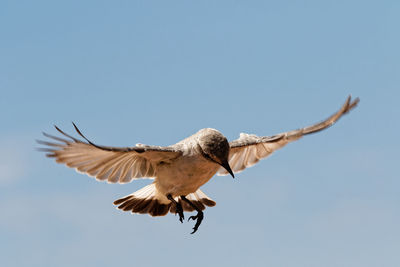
(199, 217)
(179, 211)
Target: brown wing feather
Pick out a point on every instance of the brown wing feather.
(114, 164)
(249, 149)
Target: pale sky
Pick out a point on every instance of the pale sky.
(155, 72)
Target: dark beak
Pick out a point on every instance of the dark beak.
(228, 168)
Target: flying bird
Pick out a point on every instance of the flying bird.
(178, 170)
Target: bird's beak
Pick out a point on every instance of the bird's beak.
(226, 166)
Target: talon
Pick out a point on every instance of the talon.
(178, 209)
(181, 216)
(199, 218)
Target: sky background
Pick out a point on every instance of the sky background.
(155, 72)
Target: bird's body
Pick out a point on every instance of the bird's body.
(185, 174)
(178, 170)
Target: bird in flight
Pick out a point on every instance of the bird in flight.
(178, 170)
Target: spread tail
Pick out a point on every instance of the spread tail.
(148, 200)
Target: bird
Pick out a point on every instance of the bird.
(178, 170)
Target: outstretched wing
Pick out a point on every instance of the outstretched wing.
(249, 149)
(114, 164)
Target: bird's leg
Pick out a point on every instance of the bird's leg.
(199, 216)
(179, 209)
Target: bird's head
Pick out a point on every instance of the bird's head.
(215, 147)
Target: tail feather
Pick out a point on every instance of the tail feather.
(148, 200)
(144, 201)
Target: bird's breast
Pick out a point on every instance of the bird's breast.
(184, 175)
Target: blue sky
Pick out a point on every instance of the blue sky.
(155, 72)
